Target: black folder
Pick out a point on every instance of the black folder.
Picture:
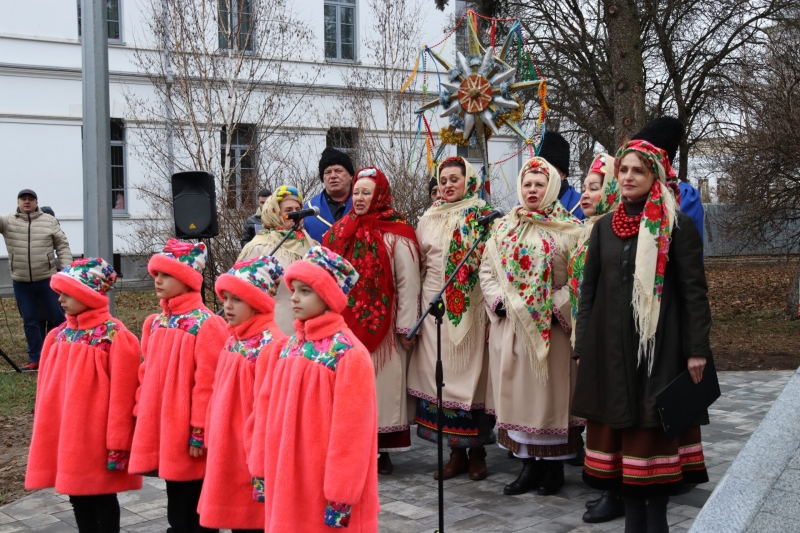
(681, 402)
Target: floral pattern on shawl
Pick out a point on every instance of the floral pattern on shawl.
(655, 230)
(249, 348)
(190, 322)
(360, 240)
(603, 164)
(99, 337)
(327, 351)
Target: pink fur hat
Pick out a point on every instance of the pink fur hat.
(330, 275)
(253, 280)
(87, 280)
(182, 260)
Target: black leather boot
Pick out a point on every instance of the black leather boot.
(592, 503)
(528, 479)
(553, 478)
(607, 508)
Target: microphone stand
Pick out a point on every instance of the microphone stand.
(288, 234)
(436, 308)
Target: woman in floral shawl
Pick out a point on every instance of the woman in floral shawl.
(383, 306)
(523, 276)
(643, 319)
(446, 232)
(600, 196)
(284, 200)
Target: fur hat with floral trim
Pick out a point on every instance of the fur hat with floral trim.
(329, 274)
(87, 280)
(182, 260)
(253, 280)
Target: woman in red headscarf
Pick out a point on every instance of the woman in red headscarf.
(384, 304)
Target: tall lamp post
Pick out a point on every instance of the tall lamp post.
(98, 232)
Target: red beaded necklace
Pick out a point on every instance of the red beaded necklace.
(625, 226)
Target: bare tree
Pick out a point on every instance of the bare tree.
(760, 153)
(382, 116)
(224, 97)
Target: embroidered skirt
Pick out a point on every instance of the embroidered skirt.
(395, 441)
(641, 461)
(552, 447)
(462, 429)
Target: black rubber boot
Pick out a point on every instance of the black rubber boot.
(553, 478)
(607, 508)
(657, 514)
(528, 479)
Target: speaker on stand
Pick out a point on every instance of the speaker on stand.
(194, 206)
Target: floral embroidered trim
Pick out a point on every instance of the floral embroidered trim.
(258, 488)
(337, 514)
(198, 438)
(446, 404)
(118, 459)
(538, 431)
(326, 352)
(494, 305)
(189, 322)
(406, 331)
(249, 348)
(565, 325)
(99, 337)
(392, 429)
(491, 412)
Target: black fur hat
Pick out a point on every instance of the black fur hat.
(555, 150)
(664, 132)
(431, 184)
(332, 156)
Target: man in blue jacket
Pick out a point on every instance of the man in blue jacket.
(336, 172)
(555, 150)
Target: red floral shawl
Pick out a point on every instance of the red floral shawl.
(359, 239)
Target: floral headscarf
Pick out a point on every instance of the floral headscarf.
(655, 230)
(456, 225)
(522, 251)
(360, 240)
(295, 246)
(604, 165)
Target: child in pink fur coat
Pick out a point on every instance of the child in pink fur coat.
(248, 291)
(83, 427)
(315, 439)
(180, 348)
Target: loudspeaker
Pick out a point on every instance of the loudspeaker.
(194, 203)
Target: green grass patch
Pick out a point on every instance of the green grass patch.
(17, 392)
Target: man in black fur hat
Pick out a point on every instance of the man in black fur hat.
(666, 133)
(336, 172)
(555, 150)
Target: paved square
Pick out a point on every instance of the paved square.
(408, 497)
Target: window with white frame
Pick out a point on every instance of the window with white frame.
(235, 25)
(340, 29)
(114, 20)
(345, 140)
(118, 191)
(242, 187)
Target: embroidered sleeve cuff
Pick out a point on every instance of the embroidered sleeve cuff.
(258, 488)
(565, 324)
(496, 302)
(337, 514)
(118, 459)
(404, 331)
(198, 438)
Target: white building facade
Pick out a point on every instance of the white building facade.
(40, 101)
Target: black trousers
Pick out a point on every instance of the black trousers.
(96, 514)
(182, 498)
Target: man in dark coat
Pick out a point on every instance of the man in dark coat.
(555, 150)
(336, 172)
(253, 223)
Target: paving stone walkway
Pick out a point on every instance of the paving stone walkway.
(408, 497)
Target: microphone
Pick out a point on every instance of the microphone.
(303, 213)
(486, 219)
